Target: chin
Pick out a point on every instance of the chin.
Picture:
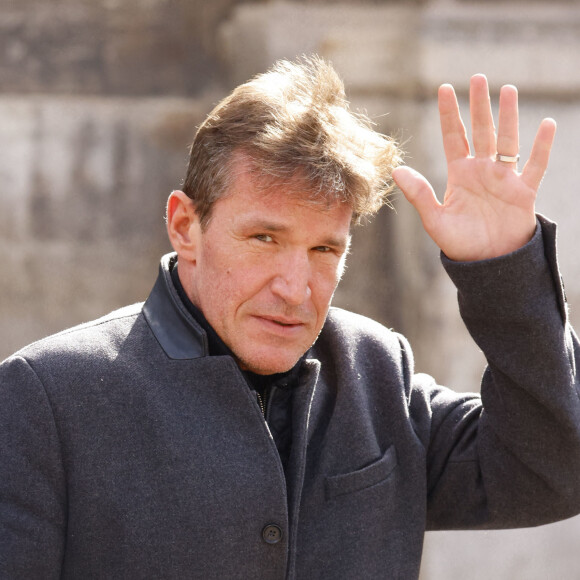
(267, 365)
(267, 370)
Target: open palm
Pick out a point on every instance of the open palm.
(488, 207)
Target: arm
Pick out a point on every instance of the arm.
(513, 458)
(32, 488)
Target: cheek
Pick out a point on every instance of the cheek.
(323, 288)
(237, 285)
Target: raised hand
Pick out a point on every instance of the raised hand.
(488, 206)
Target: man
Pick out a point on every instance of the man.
(235, 427)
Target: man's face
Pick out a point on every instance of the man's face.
(265, 271)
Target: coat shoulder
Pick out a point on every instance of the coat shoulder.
(84, 341)
(356, 327)
(362, 339)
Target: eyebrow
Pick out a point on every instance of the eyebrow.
(265, 225)
(341, 244)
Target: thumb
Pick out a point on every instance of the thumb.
(418, 191)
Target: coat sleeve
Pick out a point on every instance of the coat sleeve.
(511, 458)
(32, 488)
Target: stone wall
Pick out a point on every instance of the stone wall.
(99, 98)
(84, 182)
(110, 47)
(98, 102)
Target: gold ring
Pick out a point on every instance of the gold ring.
(507, 158)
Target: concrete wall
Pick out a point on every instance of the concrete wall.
(98, 100)
(84, 182)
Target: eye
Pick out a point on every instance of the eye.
(322, 249)
(264, 238)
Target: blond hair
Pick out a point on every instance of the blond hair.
(294, 124)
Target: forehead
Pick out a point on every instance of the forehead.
(246, 175)
(250, 199)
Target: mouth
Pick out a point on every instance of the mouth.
(282, 322)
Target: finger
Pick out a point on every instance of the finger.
(482, 128)
(508, 133)
(418, 191)
(455, 140)
(537, 164)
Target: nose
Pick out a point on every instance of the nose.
(292, 279)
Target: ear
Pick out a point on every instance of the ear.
(183, 227)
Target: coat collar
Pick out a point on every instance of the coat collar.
(180, 336)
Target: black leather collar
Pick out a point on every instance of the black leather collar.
(180, 336)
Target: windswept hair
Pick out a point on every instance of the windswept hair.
(294, 125)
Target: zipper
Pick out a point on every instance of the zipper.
(264, 401)
(261, 403)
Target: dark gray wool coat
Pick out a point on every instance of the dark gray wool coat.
(128, 453)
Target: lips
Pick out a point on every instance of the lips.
(282, 321)
(281, 326)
